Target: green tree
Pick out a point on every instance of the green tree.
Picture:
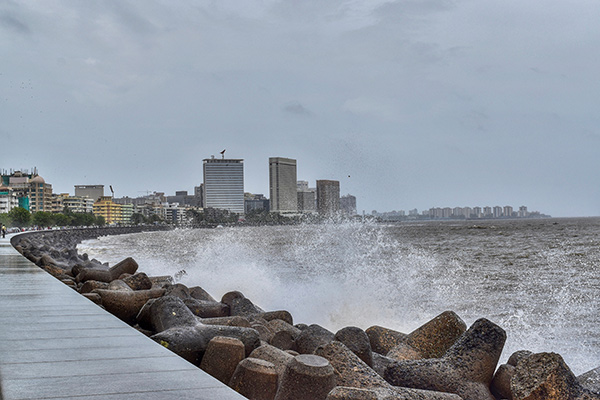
(19, 217)
(83, 219)
(137, 218)
(62, 220)
(4, 219)
(100, 221)
(43, 218)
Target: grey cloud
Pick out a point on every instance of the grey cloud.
(296, 108)
(14, 24)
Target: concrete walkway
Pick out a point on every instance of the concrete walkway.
(56, 344)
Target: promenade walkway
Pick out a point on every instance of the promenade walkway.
(56, 344)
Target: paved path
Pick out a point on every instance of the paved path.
(56, 344)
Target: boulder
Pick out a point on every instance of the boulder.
(357, 341)
(312, 337)
(222, 356)
(466, 369)
(384, 339)
(545, 376)
(126, 305)
(255, 379)
(432, 339)
(306, 377)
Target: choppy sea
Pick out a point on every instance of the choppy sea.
(539, 279)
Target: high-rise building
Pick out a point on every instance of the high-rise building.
(282, 185)
(94, 192)
(224, 184)
(328, 197)
(348, 204)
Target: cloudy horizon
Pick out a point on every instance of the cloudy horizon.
(408, 103)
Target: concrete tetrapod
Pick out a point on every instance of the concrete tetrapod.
(357, 341)
(222, 357)
(312, 337)
(255, 379)
(126, 304)
(306, 377)
(127, 266)
(500, 386)
(351, 371)
(384, 339)
(545, 376)
(181, 332)
(274, 355)
(430, 340)
(466, 369)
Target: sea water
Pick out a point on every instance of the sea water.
(538, 279)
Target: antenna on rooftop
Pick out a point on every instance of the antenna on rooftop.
(112, 191)
(223, 154)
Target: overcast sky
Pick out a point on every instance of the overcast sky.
(408, 103)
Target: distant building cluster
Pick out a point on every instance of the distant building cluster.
(461, 213)
(223, 188)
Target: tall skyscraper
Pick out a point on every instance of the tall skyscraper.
(328, 197)
(224, 184)
(282, 185)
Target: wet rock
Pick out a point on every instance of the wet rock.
(178, 290)
(272, 354)
(118, 284)
(357, 341)
(206, 308)
(285, 334)
(161, 282)
(518, 356)
(282, 315)
(164, 313)
(255, 379)
(380, 363)
(198, 293)
(139, 281)
(351, 393)
(545, 376)
(228, 321)
(93, 297)
(432, 339)
(190, 342)
(126, 305)
(222, 357)
(590, 380)
(306, 377)
(500, 386)
(265, 333)
(351, 371)
(240, 305)
(128, 265)
(89, 286)
(466, 369)
(312, 337)
(384, 339)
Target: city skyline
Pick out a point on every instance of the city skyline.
(405, 103)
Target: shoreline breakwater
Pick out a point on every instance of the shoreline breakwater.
(264, 355)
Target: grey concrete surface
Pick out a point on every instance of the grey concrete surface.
(56, 344)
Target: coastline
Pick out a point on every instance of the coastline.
(55, 252)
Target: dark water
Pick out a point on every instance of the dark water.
(538, 279)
